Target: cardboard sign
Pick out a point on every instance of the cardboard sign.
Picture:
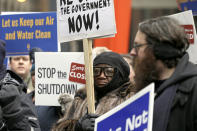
(135, 114)
(57, 73)
(25, 31)
(186, 20)
(79, 19)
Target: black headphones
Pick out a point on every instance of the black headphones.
(166, 51)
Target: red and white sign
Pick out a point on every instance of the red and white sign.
(77, 73)
(187, 21)
(189, 30)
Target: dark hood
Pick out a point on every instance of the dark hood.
(14, 79)
(183, 71)
(121, 75)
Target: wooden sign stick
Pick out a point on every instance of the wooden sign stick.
(87, 47)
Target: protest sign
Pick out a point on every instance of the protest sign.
(83, 19)
(186, 20)
(135, 114)
(79, 19)
(25, 31)
(57, 73)
(188, 5)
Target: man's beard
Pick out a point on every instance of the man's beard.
(145, 70)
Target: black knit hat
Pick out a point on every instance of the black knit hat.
(115, 60)
(32, 53)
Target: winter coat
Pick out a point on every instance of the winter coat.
(27, 118)
(47, 115)
(183, 110)
(78, 108)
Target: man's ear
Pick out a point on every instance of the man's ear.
(30, 65)
(9, 63)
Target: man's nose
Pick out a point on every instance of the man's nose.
(133, 52)
(21, 60)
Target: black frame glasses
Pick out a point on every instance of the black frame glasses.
(137, 46)
(108, 71)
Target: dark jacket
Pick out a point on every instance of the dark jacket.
(47, 116)
(26, 118)
(183, 109)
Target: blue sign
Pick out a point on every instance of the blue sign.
(25, 31)
(189, 5)
(133, 115)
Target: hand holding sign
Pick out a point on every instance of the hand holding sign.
(86, 123)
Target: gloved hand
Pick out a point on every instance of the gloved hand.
(86, 123)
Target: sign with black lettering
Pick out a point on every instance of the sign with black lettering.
(135, 114)
(187, 22)
(79, 19)
(57, 73)
(25, 31)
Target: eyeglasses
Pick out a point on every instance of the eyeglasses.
(137, 46)
(108, 71)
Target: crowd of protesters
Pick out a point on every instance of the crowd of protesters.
(158, 56)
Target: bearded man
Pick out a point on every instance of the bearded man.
(160, 57)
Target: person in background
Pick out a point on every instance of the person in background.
(160, 57)
(47, 115)
(32, 53)
(99, 50)
(16, 110)
(21, 65)
(31, 94)
(129, 59)
(112, 87)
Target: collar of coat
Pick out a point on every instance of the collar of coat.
(122, 91)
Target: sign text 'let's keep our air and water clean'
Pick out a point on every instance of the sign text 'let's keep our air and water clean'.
(25, 31)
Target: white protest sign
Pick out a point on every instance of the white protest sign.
(57, 73)
(79, 19)
(186, 20)
(135, 114)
